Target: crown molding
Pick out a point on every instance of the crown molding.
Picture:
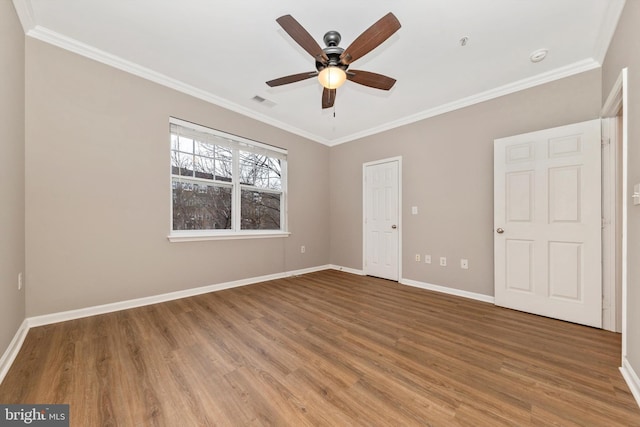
(25, 14)
(54, 38)
(608, 28)
(550, 76)
(23, 7)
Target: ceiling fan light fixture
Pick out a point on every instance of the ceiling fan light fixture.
(333, 61)
(332, 77)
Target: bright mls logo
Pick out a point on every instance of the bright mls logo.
(34, 415)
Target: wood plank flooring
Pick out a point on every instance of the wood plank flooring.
(324, 349)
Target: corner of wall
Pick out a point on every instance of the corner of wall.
(631, 378)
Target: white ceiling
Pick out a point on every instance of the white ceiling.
(225, 51)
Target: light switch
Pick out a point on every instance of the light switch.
(414, 210)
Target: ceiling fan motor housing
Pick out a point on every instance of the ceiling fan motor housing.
(332, 38)
(333, 51)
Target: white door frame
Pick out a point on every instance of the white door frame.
(611, 223)
(615, 103)
(364, 211)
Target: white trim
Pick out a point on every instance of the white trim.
(631, 378)
(610, 211)
(347, 270)
(400, 225)
(284, 199)
(616, 101)
(613, 103)
(625, 226)
(236, 144)
(155, 299)
(12, 351)
(67, 43)
(72, 45)
(236, 193)
(199, 237)
(364, 212)
(47, 319)
(31, 322)
(448, 291)
(14, 348)
(550, 76)
(25, 14)
(226, 135)
(608, 28)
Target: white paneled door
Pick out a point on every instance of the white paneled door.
(547, 223)
(381, 214)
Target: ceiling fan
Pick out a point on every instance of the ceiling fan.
(332, 62)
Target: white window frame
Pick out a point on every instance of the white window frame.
(237, 144)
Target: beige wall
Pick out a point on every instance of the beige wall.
(97, 191)
(12, 301)
(448, 175)
(98, 194)
(624, 51)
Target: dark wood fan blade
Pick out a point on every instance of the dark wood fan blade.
(371, 38)
(292, 78)
(328, 97)
(374, 80)
(302, 37)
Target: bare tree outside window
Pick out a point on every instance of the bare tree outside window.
(260, 208)
(201, 207)
(205, 185)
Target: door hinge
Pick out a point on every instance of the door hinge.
(605, 222)
(605, 141)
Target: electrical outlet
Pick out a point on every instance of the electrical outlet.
(443, 261)
(427, 259)
(417, 257)
(20, 281)
(303, 249)
(464, 263)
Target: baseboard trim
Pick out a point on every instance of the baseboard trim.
(31, 322)
(427, 286)
(64, 316)
(346, 269)
(14, 348)
(449, 291)
(631, 378)
(16, 344)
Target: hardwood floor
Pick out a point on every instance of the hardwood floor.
(329, 349)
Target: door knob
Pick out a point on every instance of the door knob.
(394, 226)
(499, 231)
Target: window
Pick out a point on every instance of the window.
(225, 186)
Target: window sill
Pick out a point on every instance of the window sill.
(202, 236)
